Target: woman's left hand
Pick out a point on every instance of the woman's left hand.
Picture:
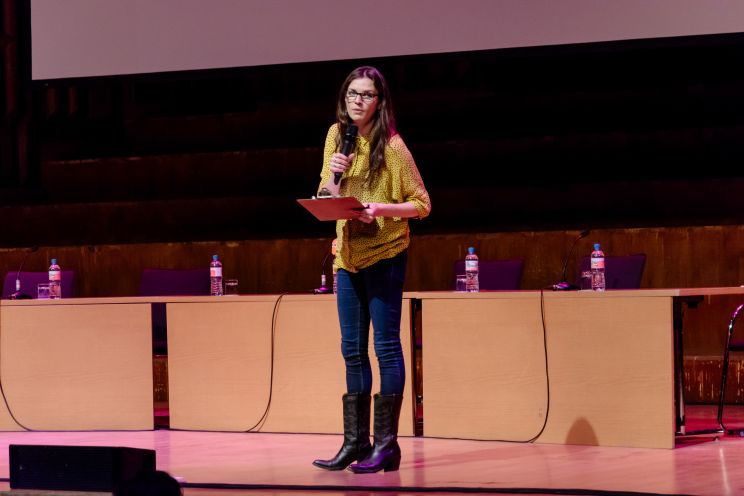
(370, 212)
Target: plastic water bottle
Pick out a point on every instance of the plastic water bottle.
(471, 271)
(215, 276)
(598, 269)
(55, 280)
(334, 243)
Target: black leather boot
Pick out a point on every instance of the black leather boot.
(356, 433)
(385, 453)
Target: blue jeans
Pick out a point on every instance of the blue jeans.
(375, 293)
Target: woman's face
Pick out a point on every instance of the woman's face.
(361, 103)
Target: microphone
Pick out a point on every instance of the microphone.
(18, 295)
(563, 285)
(347, 146)
(323, 289)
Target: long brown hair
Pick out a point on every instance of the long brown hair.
(383, 122)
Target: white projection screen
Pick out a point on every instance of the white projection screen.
(81, 38)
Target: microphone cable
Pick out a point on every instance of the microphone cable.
(547, 370)
(263, 418)
(547, 390)
(274, 314)
(2, 392)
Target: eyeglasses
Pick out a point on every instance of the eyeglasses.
(367, 96)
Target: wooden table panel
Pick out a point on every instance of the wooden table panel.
(611, 371)
(483, 368)
(76, 367)
(610, 359)
(219, 365)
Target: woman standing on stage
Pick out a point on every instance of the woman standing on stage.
(371, 264)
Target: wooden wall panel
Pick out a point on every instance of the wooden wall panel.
(677, 257)
(707, 256)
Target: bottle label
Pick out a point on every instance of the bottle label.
(598, 263)
(55, 275)
(471, 265)
(215, 272)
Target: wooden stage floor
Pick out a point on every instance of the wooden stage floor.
(276, 463)
(249, 464)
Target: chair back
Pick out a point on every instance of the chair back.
(735, 340)
(732, 344)
(29, 280)
(174, 282)
(494, 274)
(621, 272)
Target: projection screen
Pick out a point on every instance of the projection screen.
(80, 38)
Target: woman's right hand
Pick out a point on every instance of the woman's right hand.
(339, 162)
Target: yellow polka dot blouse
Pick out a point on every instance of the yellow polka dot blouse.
(361, 245)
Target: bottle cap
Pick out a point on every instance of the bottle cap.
(596, 246)
(54, 261)
(214, 257)
(471, 250)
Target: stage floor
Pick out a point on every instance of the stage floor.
(233, 463)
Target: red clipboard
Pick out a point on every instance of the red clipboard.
(334, 208)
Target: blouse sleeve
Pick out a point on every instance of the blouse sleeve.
(330, 147)
(410, 187)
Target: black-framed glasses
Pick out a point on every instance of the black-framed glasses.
(367, 96)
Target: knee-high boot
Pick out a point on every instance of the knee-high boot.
(385, 453)
(356, 433)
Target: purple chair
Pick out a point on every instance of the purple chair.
(173, 282)
(494, 274)
(621, 272)
(29, 280)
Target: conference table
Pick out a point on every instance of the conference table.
(260, 363)
(549, 367)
